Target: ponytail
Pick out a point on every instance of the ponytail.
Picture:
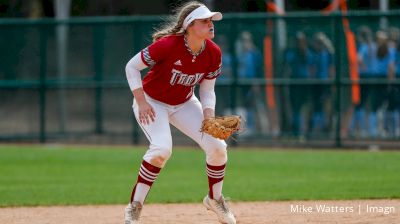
(166, 30)
(175, 24)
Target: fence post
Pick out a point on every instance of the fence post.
(42, 84)
(98, 51)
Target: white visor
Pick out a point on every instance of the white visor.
(202, 12)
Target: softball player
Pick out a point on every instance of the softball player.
(181, 56)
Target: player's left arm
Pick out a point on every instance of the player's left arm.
(207, 97)
(207, 86)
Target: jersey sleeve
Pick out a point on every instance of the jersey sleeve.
(216, 66)
(155, 52)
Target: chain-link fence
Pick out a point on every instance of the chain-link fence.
(297, 79)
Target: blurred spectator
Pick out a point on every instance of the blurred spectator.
(227, 60)
(323, 70)
(392, 116)
(249, 67)
(298, 65)
(324, 51)
(378, 62)
(366, 51)
(394, 37)
(397, 67)
(394, 43)
(385, 56)
(384, 70)
(249, 57)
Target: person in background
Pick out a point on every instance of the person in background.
(392, 115)
(366, 55)
(384, 69)
(323, 70)
(249, 67)
(298, 64)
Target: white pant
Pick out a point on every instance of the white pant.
(186, 117)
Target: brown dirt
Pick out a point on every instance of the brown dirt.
(246, 212)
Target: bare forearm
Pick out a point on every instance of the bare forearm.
(208, 113)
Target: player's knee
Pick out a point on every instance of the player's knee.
(162, 157)
(217, 154)
(159, 155)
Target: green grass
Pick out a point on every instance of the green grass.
(63, 175)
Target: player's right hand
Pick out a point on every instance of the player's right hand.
(146, 113)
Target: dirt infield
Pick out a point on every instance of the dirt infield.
(356, 211)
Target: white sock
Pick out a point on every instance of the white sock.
(217, 190)
(141, 192)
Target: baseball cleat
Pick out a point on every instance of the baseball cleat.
(132, 213)
(221, 208)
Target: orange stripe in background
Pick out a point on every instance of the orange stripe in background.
(351, 48)
(330, 8)
(353, 66)
(268, 65)
(352, 55)
(272, 7)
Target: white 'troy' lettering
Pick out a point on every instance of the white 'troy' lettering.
(184, 79)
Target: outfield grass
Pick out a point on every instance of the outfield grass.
(61, 175)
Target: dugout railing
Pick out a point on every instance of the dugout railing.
(64, 80)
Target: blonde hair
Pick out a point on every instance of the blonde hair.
(174, 24)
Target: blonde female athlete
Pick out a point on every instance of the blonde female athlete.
(180, 57)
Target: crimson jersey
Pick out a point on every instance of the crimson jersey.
(173, 76)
